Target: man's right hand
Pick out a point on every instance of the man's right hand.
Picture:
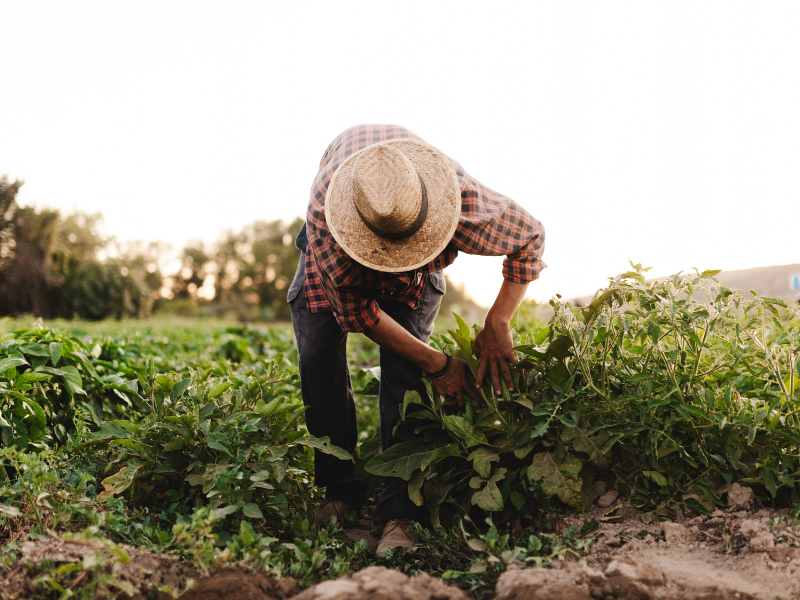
(456, 382)
(390, 335)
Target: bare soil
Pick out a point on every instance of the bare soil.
(738, 553)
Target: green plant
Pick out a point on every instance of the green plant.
(235, 442)
(679, 387)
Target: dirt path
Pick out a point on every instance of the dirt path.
(729, 555)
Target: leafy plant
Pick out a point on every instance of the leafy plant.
(679, 387)
(233, 441)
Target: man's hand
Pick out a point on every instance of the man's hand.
(456, 382)
(390, 335)
(493, 344)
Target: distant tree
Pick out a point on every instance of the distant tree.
(29, 279)
(8, 194)
(196, 265)
(51, 265)
(255, 266)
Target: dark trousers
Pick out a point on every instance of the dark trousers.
(328, 393)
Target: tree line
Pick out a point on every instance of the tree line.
(55, 265)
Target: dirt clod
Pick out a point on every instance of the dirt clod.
(607, 499)
(236, 583)
(638, 571)
(757, 534)
(741, 497)
(380, 583)
(673, 531)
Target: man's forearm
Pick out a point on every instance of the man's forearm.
(389, 334)
(506, 304)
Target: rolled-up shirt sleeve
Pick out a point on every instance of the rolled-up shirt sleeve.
(492, 224)
(526, 264)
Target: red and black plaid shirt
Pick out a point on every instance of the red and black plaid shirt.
(490, 225)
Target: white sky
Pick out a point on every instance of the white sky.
(667, 132)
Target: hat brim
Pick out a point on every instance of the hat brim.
(379, 253)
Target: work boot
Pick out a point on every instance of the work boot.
(395, 535)
(332, 508)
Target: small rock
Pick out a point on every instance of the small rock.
(751, 528)
(600, 487)
(607, 499)
(339, 589)
(638, 571)
(715, 521)
(570, 582)
(717, 514)
(380, 583)
(741, 497)
(286, 587)
(784, 554)
(673, 531)
(757, 533)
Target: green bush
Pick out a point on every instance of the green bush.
(674, 389)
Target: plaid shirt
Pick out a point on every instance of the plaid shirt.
(490, 225)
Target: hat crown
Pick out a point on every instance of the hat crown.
(387, 189)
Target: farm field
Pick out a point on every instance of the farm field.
(651, 450)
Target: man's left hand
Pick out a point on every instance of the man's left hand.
(494, 346)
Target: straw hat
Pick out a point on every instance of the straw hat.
(394, 206)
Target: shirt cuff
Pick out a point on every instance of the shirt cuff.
(522, 270)
(360, 322)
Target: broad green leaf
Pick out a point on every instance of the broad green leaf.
(524, 401)
(710, 273)
(590, 444)
(777, 301)
(441, 452)
(561, 347)
(591, 311)
(490, 498)
(56, 349)
(217, 389)
(10, 511)
(324, 445)
(117, 483)
(175, 445)
(72, 379)
(179, 388)
(108, 431)
(656, 476)
(415, 488)
(482, 459)
(463, 328)
(411, 397)
(11, 362)
(401, 460)
(558, 480)
(251, 510)
(38, 413)
(226, 510)
(215, 441)
(32, 377)
(462, 428)
(34, 349)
